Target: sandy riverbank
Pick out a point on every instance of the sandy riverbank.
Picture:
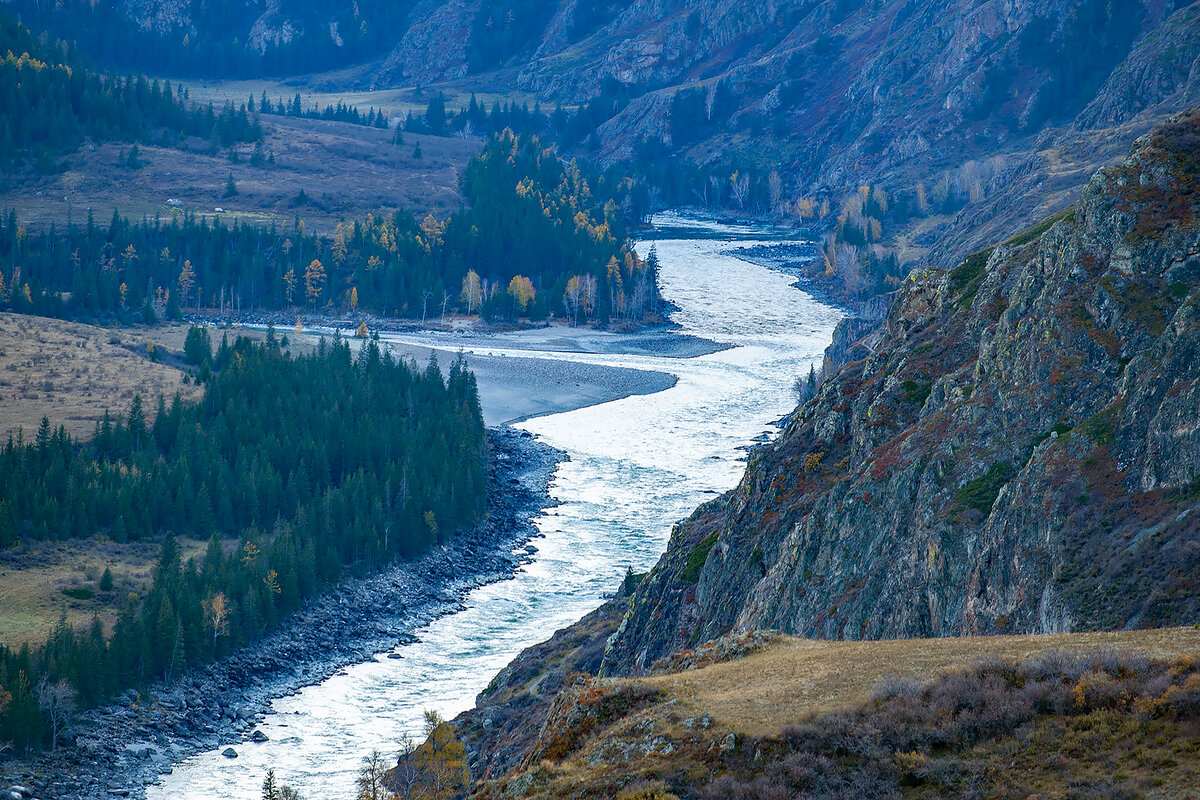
(514, 388)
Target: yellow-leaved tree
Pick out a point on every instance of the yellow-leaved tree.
(187, 279)
(441, 760)
(521, 290)
(471, 290)
(314, 281)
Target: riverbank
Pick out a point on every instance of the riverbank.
(515, 388)
(122, 748)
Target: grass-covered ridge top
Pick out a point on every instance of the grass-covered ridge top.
(886, 719)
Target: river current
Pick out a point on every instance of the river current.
(637, 466)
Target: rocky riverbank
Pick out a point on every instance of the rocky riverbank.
(120, 749)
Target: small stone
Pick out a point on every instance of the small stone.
(229, 752)
(258, 736)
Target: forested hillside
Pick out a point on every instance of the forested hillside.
(541, 236)
(293, 467)
(972, 119)
(50, 100)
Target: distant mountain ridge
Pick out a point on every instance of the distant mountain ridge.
(1005, 107)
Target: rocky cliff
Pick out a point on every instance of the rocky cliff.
(1019, 449)
(1016, 449)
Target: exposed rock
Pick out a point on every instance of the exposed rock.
(922, 493)
(229, 752)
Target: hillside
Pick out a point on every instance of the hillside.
(1004, 717)
(1013, 451)
(998, 112)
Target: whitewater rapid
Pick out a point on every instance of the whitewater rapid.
(636, 466)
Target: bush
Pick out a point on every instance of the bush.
(981, 493)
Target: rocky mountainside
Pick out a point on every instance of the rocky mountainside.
(1008, 105)
(1015, 450)
(1004, 107)
(1018, 449)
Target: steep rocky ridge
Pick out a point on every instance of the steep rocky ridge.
(1015, 450)
(1019, 451)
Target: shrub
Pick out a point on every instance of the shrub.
(981, 493)
(697, 559)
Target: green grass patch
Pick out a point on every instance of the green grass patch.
(696, 559)
(1039, 230)
(916, 392)
(79, 593)
(981, 493)
(1101, 428)
(967, 277)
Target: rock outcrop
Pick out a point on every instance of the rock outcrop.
(1018, 451)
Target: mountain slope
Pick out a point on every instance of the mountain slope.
(985, 115)
(1017, 451)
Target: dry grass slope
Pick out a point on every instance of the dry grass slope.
(39, 580)
(71, 373)
(347, 170)
(1096, 715)
(764, 692)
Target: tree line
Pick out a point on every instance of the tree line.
(339, 112)
(541, 236)
(293, 467)
(50, 100)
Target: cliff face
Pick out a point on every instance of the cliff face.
(1019, 451)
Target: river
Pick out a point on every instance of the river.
(636, 466)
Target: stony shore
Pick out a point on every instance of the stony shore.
(122, 748)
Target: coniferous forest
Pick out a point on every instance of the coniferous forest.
(294, 468)
(50, 100)
(540, 236)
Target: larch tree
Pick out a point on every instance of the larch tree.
(314, 281)
(187, 280)
(442, 760)
(289, 285)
